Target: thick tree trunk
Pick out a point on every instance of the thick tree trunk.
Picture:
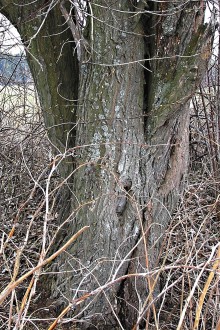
(131, 136)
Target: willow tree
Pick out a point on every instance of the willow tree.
(114, 80)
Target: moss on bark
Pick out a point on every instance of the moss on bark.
(113, 146)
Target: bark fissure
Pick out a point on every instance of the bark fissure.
(131, 137)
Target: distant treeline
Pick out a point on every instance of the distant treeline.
(14, 69)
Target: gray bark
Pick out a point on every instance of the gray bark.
(132, 126)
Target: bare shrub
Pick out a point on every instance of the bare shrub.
(30, 192)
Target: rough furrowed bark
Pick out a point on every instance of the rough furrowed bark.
(51, 54)
(134, 167)
(131, 138)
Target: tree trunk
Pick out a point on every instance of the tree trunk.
(123, 103)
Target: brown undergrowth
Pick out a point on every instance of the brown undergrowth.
(190, 274)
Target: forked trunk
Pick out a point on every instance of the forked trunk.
(129, 134)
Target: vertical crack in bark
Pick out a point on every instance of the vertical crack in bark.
(148, 22)
(121, 301)
(132, 287)
(129, 288)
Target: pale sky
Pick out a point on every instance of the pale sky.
(10, 41)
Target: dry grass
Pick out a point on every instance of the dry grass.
(190, 274)
(193, 238)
